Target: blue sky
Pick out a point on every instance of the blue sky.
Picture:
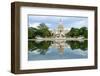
(53, 21)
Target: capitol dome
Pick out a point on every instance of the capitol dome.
(60, 26)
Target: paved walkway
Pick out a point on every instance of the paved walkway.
(52, 39)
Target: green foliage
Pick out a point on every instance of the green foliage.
(41, 31)
(84, 32)
(32, 32)
(43, 26)
(75, 32)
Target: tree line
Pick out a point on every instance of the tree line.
(43, 31)
(78, 32)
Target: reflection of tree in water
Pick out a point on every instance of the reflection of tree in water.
(43, 46)
(78, 45)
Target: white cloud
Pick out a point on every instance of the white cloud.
(80, 24)
(34, 25)
(67, 28)
(37, 24)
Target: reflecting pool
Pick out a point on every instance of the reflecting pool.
(57, 49)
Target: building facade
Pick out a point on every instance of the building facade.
(59, 32)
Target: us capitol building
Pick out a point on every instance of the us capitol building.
(59, 32)
(60, 38)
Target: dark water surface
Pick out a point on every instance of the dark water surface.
(58, 49)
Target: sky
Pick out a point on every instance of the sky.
(53, 21)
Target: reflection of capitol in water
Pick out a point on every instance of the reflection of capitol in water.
(60, 45)
(59, 35)
(57, 49)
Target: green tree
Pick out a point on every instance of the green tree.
(43, 30)
(42, 26)
(74, 32)
(31, 32)
(84, 32)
